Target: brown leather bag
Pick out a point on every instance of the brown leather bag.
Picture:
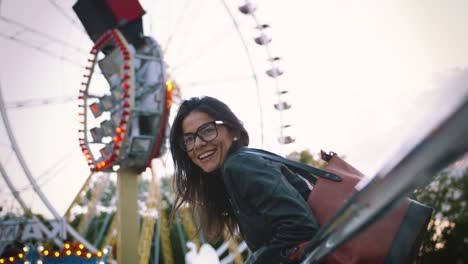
(394, 238)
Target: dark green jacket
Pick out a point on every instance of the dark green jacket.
(268, 200)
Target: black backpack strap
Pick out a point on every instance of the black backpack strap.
(295, 166)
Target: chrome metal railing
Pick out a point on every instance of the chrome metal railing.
(415, 167)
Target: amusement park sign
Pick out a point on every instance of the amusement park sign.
(24, 229)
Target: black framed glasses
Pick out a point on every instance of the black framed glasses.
(206, 132)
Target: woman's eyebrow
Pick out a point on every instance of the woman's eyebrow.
(198, 128)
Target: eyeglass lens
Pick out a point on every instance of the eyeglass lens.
(205, 132)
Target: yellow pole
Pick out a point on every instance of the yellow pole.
(165, 237)
(77, 197)
(233, 246)
(111, 238)
(187, 221)
(127, 216)
(147, 226)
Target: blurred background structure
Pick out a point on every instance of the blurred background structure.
(386, 71)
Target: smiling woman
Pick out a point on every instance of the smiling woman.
(234, 190)
(45, 55)
(210, 151)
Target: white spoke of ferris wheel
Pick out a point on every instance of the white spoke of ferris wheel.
(69, 18)
(252, 68)
(216, 81)
(179, 19)
(50, 173)
(79, 238)
(41, 101)
(42, 34)
(31, 179)
(21, 160)
(40, 49)
(24, 206)
(12, 188)
(230, 257)
(188, 33)
(208, 47)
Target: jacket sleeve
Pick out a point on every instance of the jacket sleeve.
(261, 183)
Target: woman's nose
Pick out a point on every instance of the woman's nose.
(199, 142)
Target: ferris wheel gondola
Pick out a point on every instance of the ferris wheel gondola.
(27, 36)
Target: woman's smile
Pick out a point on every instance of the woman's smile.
(210, 155)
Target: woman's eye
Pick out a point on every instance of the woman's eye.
(208, 130)
(188, 139)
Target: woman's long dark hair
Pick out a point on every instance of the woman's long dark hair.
(204, 192)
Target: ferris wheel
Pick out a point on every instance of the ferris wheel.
(218, 48)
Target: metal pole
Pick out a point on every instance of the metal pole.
(156, 241)
(77, 197)
(183, 242)
(91, 212)
(105, 226)
(127, 216)
(415, 166)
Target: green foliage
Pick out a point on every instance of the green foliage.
(99, 222)
(178, 240)
(447, 239)
(108, 194)
(306, 157)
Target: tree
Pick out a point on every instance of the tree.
(306, 157)
(447, 238)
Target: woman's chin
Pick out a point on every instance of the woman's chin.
(209, 165)
(208, 169)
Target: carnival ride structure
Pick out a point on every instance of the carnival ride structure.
(46, 59)
(110, 79)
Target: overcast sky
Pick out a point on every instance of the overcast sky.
(362, 76)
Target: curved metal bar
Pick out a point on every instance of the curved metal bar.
(13, 189)
(105, 226)
(31, 179)
(414, 167)
(79, 238)
(252, 68)
(21, 160)
(24, 206)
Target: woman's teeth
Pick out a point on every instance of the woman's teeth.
(206, 154)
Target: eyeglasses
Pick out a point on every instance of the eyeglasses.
(206, 132)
